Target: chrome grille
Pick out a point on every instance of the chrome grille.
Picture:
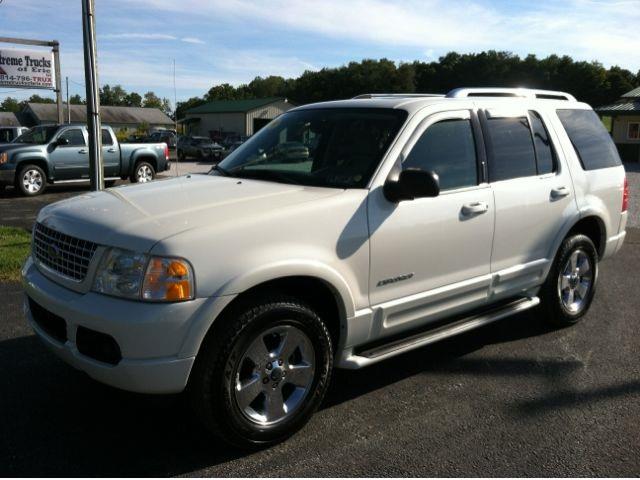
(69, 256)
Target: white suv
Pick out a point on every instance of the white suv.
(343, 233)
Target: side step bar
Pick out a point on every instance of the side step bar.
(396, 347)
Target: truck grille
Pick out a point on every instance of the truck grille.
(69, 256)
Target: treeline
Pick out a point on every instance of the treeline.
(587, 81)
(112, 96)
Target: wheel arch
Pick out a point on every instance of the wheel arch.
(40, 162)
(330, 298)
(592, 225)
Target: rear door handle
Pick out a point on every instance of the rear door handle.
(82, 150)
(560, 192)
(474, 208)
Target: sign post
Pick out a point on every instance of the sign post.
(96, 171)
(32, 68)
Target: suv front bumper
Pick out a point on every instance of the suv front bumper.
(149, 336)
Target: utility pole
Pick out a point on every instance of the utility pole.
(68, 105)
(58, 90)
(96, 170)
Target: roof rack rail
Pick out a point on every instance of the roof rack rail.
(397, 95)
(510, 92)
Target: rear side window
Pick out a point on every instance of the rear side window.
(590, 139)
(512, 153)
(448, 149)
(106, 137)
(545, 155)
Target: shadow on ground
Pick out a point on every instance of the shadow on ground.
(58, 422)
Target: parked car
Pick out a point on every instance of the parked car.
(9, 134)
(202, 148)
(59, 154)
(163, 136)
(412, 219)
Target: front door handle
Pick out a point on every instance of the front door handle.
(474, 208)
(82, 150)
(112, 150)
(560, 192)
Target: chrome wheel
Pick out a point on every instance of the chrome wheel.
(575, 282)
(144, 174)
(274, 375)
(32, 181)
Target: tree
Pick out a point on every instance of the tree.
(10, 104)
(115, 96)
(133, 100)
(76, 100)
(35, 98)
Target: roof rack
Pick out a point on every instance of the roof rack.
(510, 92)
(397, 95)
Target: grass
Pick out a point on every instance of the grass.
(14, 249)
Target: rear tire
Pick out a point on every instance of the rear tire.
(568, 291)
(143, 173)
(261, 373)
(110, 183)
(31, 181)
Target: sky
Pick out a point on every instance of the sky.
(217, 41)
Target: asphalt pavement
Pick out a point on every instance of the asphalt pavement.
(512, 399)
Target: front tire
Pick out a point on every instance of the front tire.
(568, 291)
(262, 373)
(143, 173)
(31, 181)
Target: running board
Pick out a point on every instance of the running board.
(375, 354)
(82, 180)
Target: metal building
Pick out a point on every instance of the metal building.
(222, 118)
(624, 117)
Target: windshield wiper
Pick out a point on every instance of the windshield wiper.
(224, 172)
(273, 175)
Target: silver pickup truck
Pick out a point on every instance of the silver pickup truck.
(59, 154)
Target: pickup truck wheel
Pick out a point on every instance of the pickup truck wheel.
(109, 183)
(143, 173)
(568, 291)
(31, 180)
(260, 376)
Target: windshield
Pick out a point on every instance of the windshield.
(37, 135)
(339, 147)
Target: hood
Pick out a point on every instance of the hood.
(136, 217)
(5, 147)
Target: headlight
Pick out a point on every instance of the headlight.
(128, 274)
(4, 158)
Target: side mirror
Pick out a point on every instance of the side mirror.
(412, 183)
(60, 142)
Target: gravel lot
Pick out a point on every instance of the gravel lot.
(512, 399)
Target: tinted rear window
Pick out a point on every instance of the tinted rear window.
(512, 149)
(590, 139)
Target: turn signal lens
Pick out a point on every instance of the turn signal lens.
(3, 157)
(168, 279)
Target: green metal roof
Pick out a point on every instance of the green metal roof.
(234, 106)
(622, 107)
(635, 93)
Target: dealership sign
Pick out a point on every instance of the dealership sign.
(26, 68)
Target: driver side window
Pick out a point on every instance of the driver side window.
(75, 138)
(448, 149)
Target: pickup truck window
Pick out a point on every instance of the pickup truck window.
(106, 137)
(37, 135)
(332, 147)
(75, 137)
(448, 149)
